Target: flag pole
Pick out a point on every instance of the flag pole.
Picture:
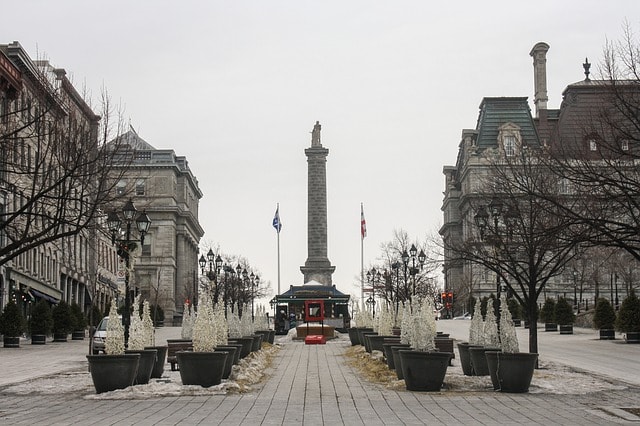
(278, 262)
(362, 234)
(278, 225)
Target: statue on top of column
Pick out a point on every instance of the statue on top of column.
(315, 135)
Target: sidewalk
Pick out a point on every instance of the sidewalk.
(307, 384)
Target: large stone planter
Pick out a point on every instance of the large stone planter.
(424, 371)
(397, 361)
(201, 368)
(145, 365)
(228, 365)
(266, 335)
(257, 342)
(60, 337)
(353, 336)
(161, 359)
(632, 337)
(111, 372)
(10, 342)
(38, 339)
(388, 352)
(479, 361)
(550, 326)
(465, 358)
(607, 334)
(375, 342)
(234, 352)
(77, 335)
(247, 344)
(566, 328)
(366, 341)
(361, 331)
(511, 372)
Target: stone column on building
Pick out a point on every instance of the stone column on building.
(317, 267)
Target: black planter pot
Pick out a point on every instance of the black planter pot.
(228, 364)
(11, 342)
(397, 361)
(201, 368)
(145, 365)
(376, 341)
(353, 336)
(517, 322)
(161, 360)
(479, 361)
(266, 335)
(566, 328)
(77, 335)
(361, 331)
(111, 372)
(38, 339)
(424, 371)
(247, 343)
(366, 341)
(550, 326)
(511, 372)
(257, 342)
(60, 337)
(465, 358)
(632, 336)
(388, 354)
(234, 351)
(607, 334)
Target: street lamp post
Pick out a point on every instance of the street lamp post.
(371, 278)
(396, 266)
(615, 280)
(255, 280)
(405, 261)
(125, 246)
(576, 305)
(215, 264)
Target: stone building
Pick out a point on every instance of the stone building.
(38, 106)
(160, 183)
(504, 126)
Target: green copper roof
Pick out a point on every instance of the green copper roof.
(495, 112)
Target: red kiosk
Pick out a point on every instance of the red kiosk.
(314, 311)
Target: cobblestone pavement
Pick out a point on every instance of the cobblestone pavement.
(313, 385)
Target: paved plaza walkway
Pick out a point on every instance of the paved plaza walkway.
(306, 385)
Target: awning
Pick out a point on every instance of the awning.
(36, 293)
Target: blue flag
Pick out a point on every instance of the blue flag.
(276, 220)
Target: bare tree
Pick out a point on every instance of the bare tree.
(56, 166)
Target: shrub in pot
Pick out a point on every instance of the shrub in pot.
(40, 323)
(628, 320)
(490, 341)
(79, 321)
(62, 321)
(604, 319)
(476, 339)
(515, 310)
(12, 325)
(564, 316)
(548, 314)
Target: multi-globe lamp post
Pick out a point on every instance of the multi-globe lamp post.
(125, 246)
(215, 264)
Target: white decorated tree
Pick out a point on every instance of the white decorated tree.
(136, 328)
(476, 328)
(221, 326)
(204, 333)
(491, 335)
(385, 321)
(424, 327)
(187, 322)
(235, 329)
(508, 336)
(114, 341)
(246, 322)
(147, 325)
(406, 326)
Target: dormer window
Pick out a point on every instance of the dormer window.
(593, 145)
(509, 139)
(625, 145)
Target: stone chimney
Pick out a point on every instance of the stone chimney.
(539, 55)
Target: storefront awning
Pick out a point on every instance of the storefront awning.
(37, 294)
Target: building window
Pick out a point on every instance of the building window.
(593, 146)
(509, 146)
(121, 187)
(146, 247)
(625, 145)
(140, 185)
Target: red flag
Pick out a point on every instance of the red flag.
(363, 223)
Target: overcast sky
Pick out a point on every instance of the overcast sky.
(236, 87)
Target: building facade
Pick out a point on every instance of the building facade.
(41, 112)
(160, 183)
(504, 126)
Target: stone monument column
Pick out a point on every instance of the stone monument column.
(317, 267)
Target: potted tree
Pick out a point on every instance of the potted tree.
(114, 369)
(476, 339)
(141, 336)
(490, 342)
(204, 365)
(563, 313)
(628, 320)
(40, 323)
(604, 319)
(423, 367)
(511, 371)
(79, 322)
(62, 321)
(547, 315)
(11, 325)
